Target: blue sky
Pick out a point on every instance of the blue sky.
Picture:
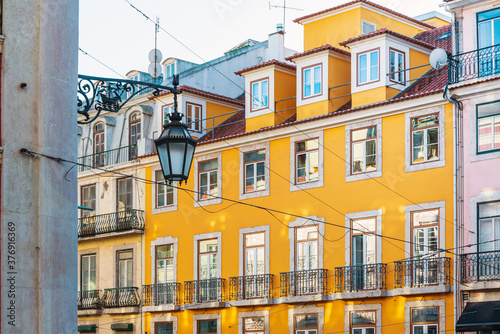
(120, 37)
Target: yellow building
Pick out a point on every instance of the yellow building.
(326, 205)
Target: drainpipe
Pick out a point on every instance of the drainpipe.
(458, 185)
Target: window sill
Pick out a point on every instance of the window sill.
(252, 302)
(425, 165)
(161, 308)
(363, 176)
(254, 194)
(164, 209)
(206, 202)
(205, 305)
(306, 185)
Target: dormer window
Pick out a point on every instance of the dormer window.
(367, 27)
(368, 67)
(397, 66)
(260, 95)
(311, 81)
(170, 70)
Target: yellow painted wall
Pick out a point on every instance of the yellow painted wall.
(262, 121)
(373, 95)
(338, 196)
(339, 73)
(313, 109)
(214, 109)
(328, 31)
(285, 86)
(418, 58)
(436, 22)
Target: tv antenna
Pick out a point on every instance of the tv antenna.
(155, 56)
(284, 10)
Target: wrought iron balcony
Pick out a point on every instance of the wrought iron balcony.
(478, 267)
(88, 300)
(111, 222)
(107, 158)
(120, 297)
(161, 294)
(361, 277)
(422, 272)
(475, 64)
(305, 282)
(208, 290)
(249, 287)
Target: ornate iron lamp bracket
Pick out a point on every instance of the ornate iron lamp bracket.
(95, 93)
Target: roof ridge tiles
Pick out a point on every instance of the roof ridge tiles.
(264, 64)
(318, 49)
(386, 31)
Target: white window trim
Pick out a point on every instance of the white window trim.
(441, 303)
(89, 251)
(348, 144)
(200, 121)
(136, 264)
(360, 308)
(163, 209)
(474, 156)
(442, 224)
(260, 82)
(303, 83)
(205, 236)
(82, 184)
(306, 309)
(484, 196)
(164, 317)
(255, 314)
(115, 192)
(158, 242)
(313, 184)
(369, 79)
(300, 222)
(378, 239)
(218, 200)
(441, 162)
(215, 316)
(254, 194)
(367, 23)
(256, 229)
(397, 52)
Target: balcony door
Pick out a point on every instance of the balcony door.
(489, 240)
(134, 134)
(254, 264)
(207, 271)
(99, 156)
(425, 247)
(306, 279)
(488, 31)
(164, 273)
(363, 276)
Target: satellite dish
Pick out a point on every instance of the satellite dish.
(153, 53)
(438, 58)
(154, 69)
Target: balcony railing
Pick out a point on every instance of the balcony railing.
(305, 282)
(161, 294)
(111, 222)
(483, 266)
(208, 290)
(361, 277)
(250, 287)
(120, 297)
(88, 300)
(475, 64)
(422, 272)
(107, 158)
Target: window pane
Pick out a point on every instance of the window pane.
(307, 82)
(363, 68)
(418, 329)
(208, 165)
(254, 324)
(489, 209)
(424, 315)
(313, 166)
(306, 321)
(485, 134)
(489, 109)
(164, 328)
(207, 326)
(307, 145)
(491, 14)
(317, 80)
(208, 245)
(363, 225)
(425, 121)
(425, 217)
(164, 251)
(305, 233)
(254, 239)
(255, 156)
(374, 66)
(362, 318)
(364, 133)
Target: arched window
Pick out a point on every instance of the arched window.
(99, 157)
(134, 134)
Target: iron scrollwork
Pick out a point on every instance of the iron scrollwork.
(106, 94)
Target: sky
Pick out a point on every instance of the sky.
(120, 37)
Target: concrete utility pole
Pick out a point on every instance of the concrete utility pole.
(38, 196)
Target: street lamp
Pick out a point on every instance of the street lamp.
(175, 146)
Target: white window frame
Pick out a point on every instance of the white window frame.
(88, 251)
(378, 238)
(163, 209)
(349, 177)
(441, 161)
(260, 193)
(441, 303)
(168, 68)
(197, 160)
(136, 262)
(363, 23)
(165, 317)
(363, 308)
(164, 108)
(394, 77)
(369, 79)
(302, 222)
(254, 314)
(482, 197)
(160, 242)
(258, 97)
(88, 183)
(293, 168)
(250, 230)
(441, 229)
(198, 317)
(306, 309)
(313, 80)
(199, 121)
(206, 236)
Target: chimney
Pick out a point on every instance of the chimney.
(276, 44)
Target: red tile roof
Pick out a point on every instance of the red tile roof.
(386, 31)
(267, 63)
(432, 37)
(235, 124)
(200, 92)
(368, 3)
(318, 49)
